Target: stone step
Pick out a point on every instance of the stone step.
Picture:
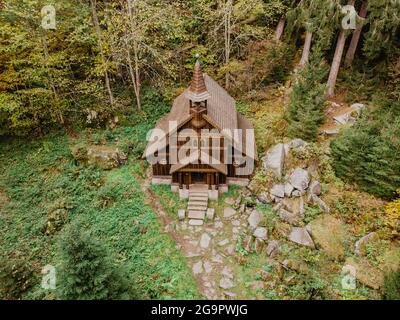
(195, 222)
(197, 208)
(200, 198)
(199, 188)
(198, 193)
(197, 202)
(194, 214)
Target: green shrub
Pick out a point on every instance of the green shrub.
(392, 285)
(87, 270)
(305, 111)
(15, 276)
(368, 153)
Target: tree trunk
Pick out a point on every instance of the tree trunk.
(306, 49)
(279, 28)
(98, 33)
(135, 75)
(356, 36)
(228, 16)
(333, 74)
(51, 80)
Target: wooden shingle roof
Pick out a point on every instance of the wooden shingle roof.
(197, 91)
(221, 108)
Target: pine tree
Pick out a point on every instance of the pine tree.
(368, 153)
(87, 270)
(384, 26)
(305, 112)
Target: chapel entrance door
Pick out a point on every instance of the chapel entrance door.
(198, 178)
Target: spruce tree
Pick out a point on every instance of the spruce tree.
(384, 25)
(87, 270)
(305, 111)
(368, 153)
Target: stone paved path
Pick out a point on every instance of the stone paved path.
(210, 251)
(209, 248)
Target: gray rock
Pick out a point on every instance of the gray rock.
(301, 236)
(288, 189)
(277, 207)
(301, 207)
(207, 266)
(238, 201)
(226, 283)
(272, 248)
(229, 294)
(286, 147)
(320, 203)
(299, 179)
(229, 212)
(260, 233)
(205, 240)
(229, 250)
(194, 222)
(210, 213)
(331, 132)
(219, 224)
(198, 267)
(226, 271)
(105, 157)
(254, 219)
(289, 217)
(181, 214)
(287, 204)
(315, 188)
(274, 159)
(297, 143)
(229, 201)
(217, 259)
(278, 190)
(357, 107)
(248, 243)
(223, 242)
(235, 223)
(342, 119)
(361, 244)
(264, 198)
(298, 193)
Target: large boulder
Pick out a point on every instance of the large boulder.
(315, 188)
(105, 157)
(278, 190)
(361, 244)
(274, 159)
(254, 219)
(329, 234)
(289, 217)
(299, 179)
(320, 203)
(297, 143)
(272, 248)
(296, 265)
(364, 272)
(288, 189)
(301, 236)
(261, 233)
